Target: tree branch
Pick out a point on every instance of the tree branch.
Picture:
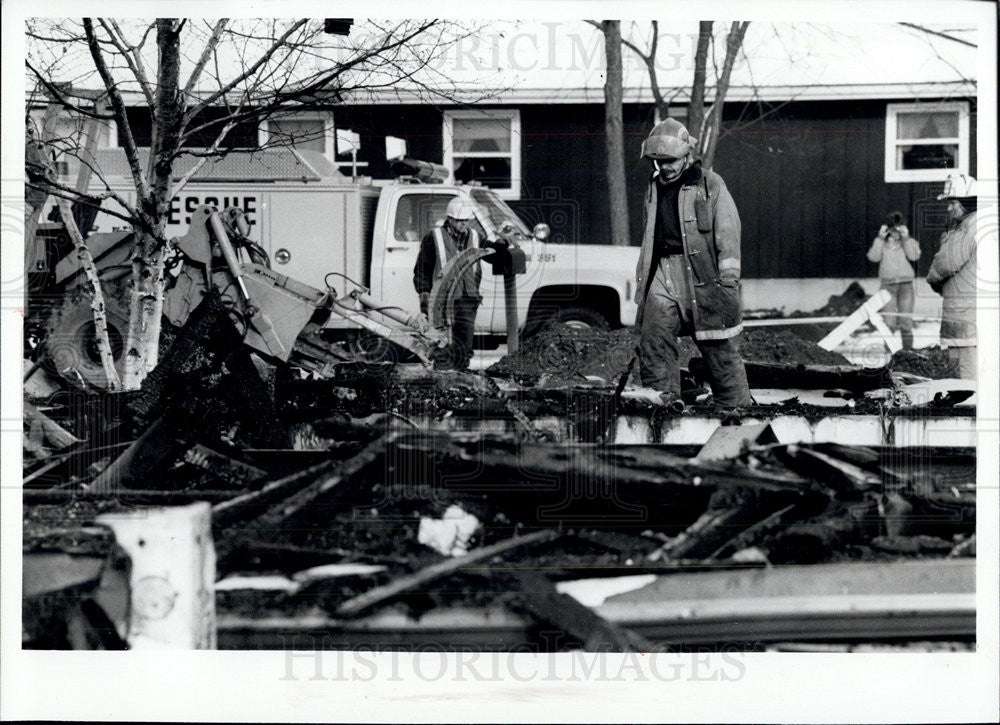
(60, 97)
(118, 105)
(206, 54)
(650, 62)
(132, 59)
(940, 35)
(245, 75)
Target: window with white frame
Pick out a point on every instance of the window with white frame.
(305, 133)
(926, 141)
(485, 146)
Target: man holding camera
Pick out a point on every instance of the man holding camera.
(895, 251)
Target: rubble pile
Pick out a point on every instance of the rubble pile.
(840, 305)
(563, 352)
(560, 353)
(784, 347)
(333, 496)
(928, 362)
(355, 548)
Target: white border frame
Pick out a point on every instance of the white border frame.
(513, 115)
(894, 175)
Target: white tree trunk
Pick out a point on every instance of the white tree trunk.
(145, 310)
(97, 303)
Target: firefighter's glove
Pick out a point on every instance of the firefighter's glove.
(729, 279)
(425, 299)
(422, 323)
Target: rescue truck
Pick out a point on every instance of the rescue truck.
(339, 231)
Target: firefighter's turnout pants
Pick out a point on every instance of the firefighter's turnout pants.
(668, 315)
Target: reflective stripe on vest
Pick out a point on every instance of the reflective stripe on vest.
(442, 251)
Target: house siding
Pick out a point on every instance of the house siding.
(808, 179)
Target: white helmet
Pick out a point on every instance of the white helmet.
(958, 186)
(460, 209)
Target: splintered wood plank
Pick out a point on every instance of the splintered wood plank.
(379, 595)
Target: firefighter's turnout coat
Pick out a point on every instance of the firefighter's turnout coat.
(710, 231)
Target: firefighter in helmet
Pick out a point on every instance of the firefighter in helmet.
(456, 234)
(687, 280)
(953, 273)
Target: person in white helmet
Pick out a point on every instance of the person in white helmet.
(455, 235)
(687, 280)
(953, 274)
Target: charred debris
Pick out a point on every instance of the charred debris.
(377, 465)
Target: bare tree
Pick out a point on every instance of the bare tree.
(202, 79)
(704, 114)
(614, 131)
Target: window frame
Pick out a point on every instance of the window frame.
(513, 115)
(329, 140)
(892, 112)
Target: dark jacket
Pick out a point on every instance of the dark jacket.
(428, 267)
(710, 230)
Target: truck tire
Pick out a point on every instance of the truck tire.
(70, 337)
(581, 318)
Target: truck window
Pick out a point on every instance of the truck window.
(416, 214)
(497, 211)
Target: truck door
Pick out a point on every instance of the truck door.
(411, 217)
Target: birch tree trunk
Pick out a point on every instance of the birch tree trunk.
(146, 308)
(614, 134)
(97, 302)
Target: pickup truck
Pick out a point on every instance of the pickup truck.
(340, 233)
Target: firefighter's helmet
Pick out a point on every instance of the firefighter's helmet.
(460, 209)
(668, 140)
(958, 186)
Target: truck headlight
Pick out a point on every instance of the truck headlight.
(282, 256)
(541, 232)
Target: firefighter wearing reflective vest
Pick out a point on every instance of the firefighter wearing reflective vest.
(687, 281)
(454, 235)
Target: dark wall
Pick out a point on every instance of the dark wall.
(808, 178)
(563, 161)
(810, 185)
(420, 126)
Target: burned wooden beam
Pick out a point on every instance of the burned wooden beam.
(288, 496)
(380, 595)
(227, 468)
(535, 595)
(58, 436)
(160, 444)
(750, 535)
(131, 496)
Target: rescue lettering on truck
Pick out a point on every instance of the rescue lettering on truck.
(181, 207)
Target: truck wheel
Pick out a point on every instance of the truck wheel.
(71, 341)
(581, 318)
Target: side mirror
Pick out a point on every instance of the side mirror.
(541, 232)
